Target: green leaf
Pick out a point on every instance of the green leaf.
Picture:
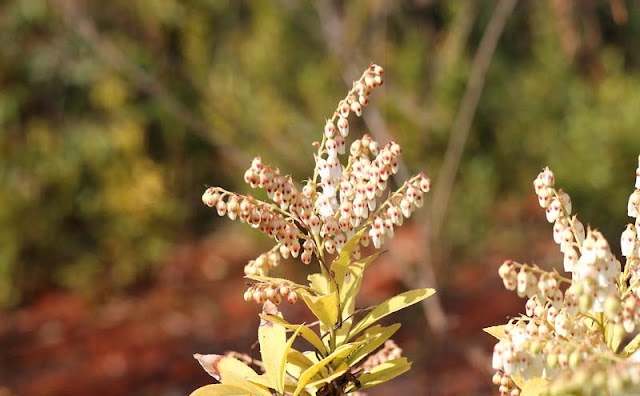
(273, 349)
(305, 332)
(496, 331)
(390, 306)
(325, 308)
(534, 387)
(372, 338)
(340, 352)
(383, 373)
(220, 390)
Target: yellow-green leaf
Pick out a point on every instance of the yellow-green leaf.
(372, 338)
(319, 283)
(305, 332)
(496, 331)
(337, 373)
(297, 363)
(383, 373)
(631, 347)
(273, 349)
(220, 390)
(231, 372)
(348, 292)
(325, 308)
(393, 304)
(341, 263)
(276, 281)
(534, 387)
(340, 352)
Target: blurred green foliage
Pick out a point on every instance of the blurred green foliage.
(112, 117)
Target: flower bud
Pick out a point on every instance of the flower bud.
(633, 207)
(292, 298)
(329, 129)
(356, 108)
(343, 126)
(628, 241)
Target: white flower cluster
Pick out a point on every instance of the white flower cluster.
(337, 202)
(576, 326)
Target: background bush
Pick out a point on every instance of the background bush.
(112, 117)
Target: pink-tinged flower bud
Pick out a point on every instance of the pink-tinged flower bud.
(570, 259)
(377, 80)
(565, 199)
(558, 227)
(294, 248)
(496, 378)
(221, 207)
(277, 299)
(332, 148)
(284, 251)
(638, 175)
(633, 208)
(374, 147)
(210, 197)
(248, 295)
(330, 246)
(356, 108)
(405, 207)
(547, 177)
(377, 70)
(425, 184)
(259, 297)
(363, 99)
(554, 210)
(342, 147)
(329, 129)
(365, 239)
(308, 246)
(306, 257)
(284, 290)
(369, 82)
(292, 298)
(343, 109)
(343, 126)
(628, 241)
(544, 197)
(270, 292)
(354, 150)
(359, 88)
(522, 282)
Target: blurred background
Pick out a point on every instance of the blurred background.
(114, 116)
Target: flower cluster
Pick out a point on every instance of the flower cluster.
(573, 326)
(332, 206)
(389, 351)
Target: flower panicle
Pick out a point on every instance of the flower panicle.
(338, 201)
(571, 323)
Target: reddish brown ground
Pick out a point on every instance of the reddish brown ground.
(143, 344)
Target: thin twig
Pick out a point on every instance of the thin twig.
(462, 124)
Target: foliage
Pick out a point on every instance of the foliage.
(580, 334)
(110, 114)
(339, 211)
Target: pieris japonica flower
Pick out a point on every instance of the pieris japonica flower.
(574, 335)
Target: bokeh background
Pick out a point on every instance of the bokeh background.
(115, 115)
